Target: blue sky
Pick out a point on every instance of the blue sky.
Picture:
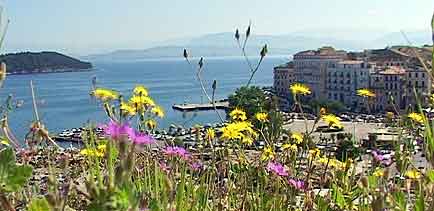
(88, 26)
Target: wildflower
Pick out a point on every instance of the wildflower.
(381, 159)
(239, 131)
(268, 153)
(314, 153)
(158, 111)
(142, 102)
(247, 140)
(323, 160)
(262, 117)
(238, 115)
(413, 174)
(177, 152)
(389, 115)
(117, 131)
(105, 94)
(378, 172)
(365, 93)
(151, 124)
(98, 152)
(128, 109)
(416, 117)
(297, 184)
(210, 134)
(140, 90)
(336, 164)
(276, 168)
(140, 138)
(332, 120)
(298, 88)
(5, 142)
(297, 137)
(196, 166)
(164, 167)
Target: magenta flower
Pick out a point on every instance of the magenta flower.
(297, 184)
(177, 152)
(277, 168)
(164, 167)
(381, 159)
(117, 131)
(196, 166)
(140, 138)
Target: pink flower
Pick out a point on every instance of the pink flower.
(196, 166)
(297, 184)
(277, 168)
(164, 167)
(381, 159)
(177, 151)
(140, 138)
(117, 131)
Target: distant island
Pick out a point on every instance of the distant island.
(42, 62)
(224, 44)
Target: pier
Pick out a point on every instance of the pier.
(224, 104)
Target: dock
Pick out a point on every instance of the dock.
(201, 106)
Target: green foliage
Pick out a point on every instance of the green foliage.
(39, 204)
(12, 176)
(251, 99)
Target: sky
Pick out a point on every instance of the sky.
(82, 27)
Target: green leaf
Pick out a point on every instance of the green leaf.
(39, 204)
(430, 175)
(400, 200)
(338, 197)
(12, 176)
(419, 204)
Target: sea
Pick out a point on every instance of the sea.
(64, 102)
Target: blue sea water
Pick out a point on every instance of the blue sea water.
(64, 101)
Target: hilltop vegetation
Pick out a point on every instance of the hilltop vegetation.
(30, 62)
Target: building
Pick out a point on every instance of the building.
(387, 83)
(394, 74)
(283, 78)
(310, 68)
(344, 79)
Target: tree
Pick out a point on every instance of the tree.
(251, 99)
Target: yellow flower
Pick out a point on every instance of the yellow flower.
(297, 137)
(365, 93)
(238, 115)
(298, 88)
(293, 148)
(142, 102)
(413, 174)
(5, 141)
(210, 134)
(127, 108)
(247, 140)
(151, 124)
(314, 153)
(336, 163)
(158, 111)
(262, 117)
(323, 160)
(332, 120)
(267, 154)
(389, 115)
(239, 131)
(416, 117)
(105, 94)
(98, 152)
(140, 90)
(378, 172)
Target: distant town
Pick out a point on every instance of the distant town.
(395, 74)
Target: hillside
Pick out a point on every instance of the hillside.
(42, 62)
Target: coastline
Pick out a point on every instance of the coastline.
(50, 71)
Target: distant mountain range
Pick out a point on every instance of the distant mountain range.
(42, 62)
(224, 44)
